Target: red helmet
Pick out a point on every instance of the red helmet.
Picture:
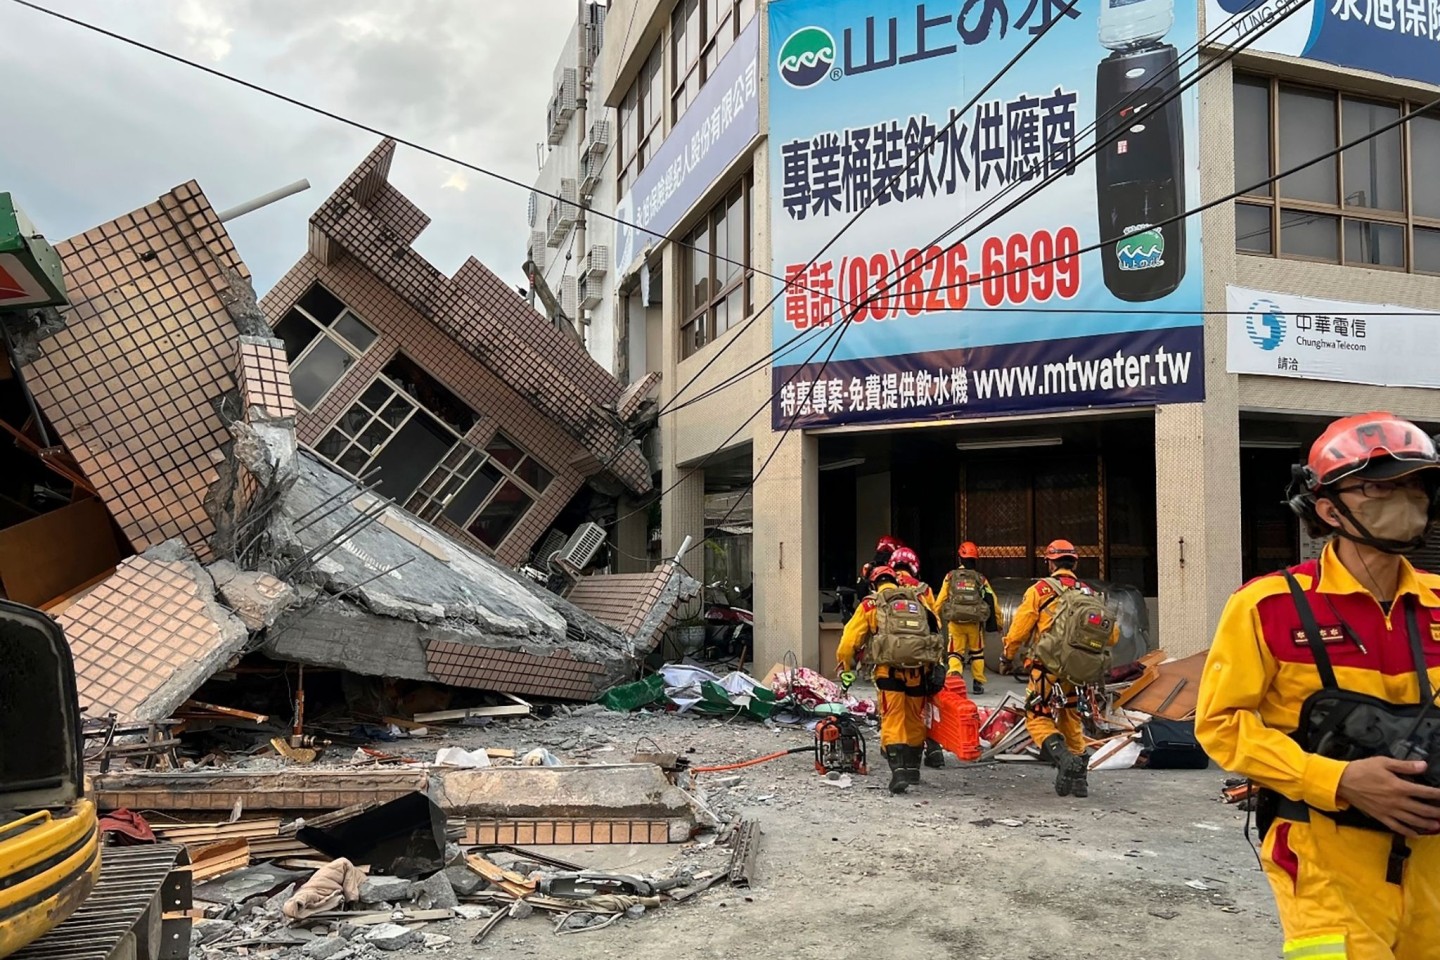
(1379, 443)
(881, 571)
(904, 556)
(968, 551)
(886, 544)
(1060, 549)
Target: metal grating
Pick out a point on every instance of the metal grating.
(125, 915)
(569, 297)
(590, 292)
(597, 260)
(592, 171)
(599, 139)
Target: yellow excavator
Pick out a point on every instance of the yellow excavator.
(56, 901)
(49, 834)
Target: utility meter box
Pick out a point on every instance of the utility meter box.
(31, 274)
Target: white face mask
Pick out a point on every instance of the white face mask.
(1401, 517)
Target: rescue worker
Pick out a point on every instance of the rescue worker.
(884, 548)
(906, 565)
(1350, 832)
(967, 636)
(902, 691)
(1052, 714)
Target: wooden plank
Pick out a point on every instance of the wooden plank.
(57, 552)
(521, 709)
(507, 880)
(1174, 693)
(218, 859)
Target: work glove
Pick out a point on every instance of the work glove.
(1006, 665)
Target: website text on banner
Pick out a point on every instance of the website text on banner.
(857, 90)
(717, 126)
(1277, 335)
(1399, 38)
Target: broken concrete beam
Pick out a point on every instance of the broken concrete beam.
(385, 890)
(392, 936)
(435, 893)
(638, 791)
(283, 790)
(258, 599)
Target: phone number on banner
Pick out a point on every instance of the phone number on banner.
(886, 286)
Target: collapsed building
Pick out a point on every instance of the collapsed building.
(176, 497)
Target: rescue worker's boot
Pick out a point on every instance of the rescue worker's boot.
(913, 757)
(1055, 751)
(1080, 779)
(977, 687)
(899, 778)
(934, 755)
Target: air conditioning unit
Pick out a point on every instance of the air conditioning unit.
(599, 140)
(555, 231)
(570, 298)
(570, 194)
(592, 167)
(552, 544)
(579, 550)
(564, 103)
(591, 292)
(597, 261)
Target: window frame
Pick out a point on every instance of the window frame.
(646, 107)
(327, 332)
(708, 54)
(1277, 206)
(700, 317)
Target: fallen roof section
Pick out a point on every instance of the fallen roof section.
(398, 598)
(147, 637)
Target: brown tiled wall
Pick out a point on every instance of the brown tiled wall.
(401, 329)
(263, 377)
(481, 313)
(132, 381)
(512, 671)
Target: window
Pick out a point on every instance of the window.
(1372, 205)
(701, 33)
(323, 339)
(485, 492)
(717, 291)
(640, 113)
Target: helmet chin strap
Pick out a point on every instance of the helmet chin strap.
(1368, 539)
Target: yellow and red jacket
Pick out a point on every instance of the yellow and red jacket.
(862, 626)
(1260, 669)
(1037, 612)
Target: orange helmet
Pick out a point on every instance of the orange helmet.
(1060, 549)
(881, 572)
(904, 556)
(1379, 443)
(968, 551)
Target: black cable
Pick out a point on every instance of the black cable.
(892, 277)
(874, 196)
(1403, 119)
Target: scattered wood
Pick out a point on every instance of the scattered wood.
(218, 859)
(507, 880)
(199, 709)
(521, 709)
(746, 850)
(489, 927)
(1172, 694)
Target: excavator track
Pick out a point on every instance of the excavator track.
(139, 910)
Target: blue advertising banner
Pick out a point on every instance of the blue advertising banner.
(713, 130)
(1023, 316)
(1399, 38)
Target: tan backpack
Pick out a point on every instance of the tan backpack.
(1076, 648)
(965, 599)
(903, 637)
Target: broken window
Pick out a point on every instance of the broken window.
(323, 339)
(506, 507)
(485, 492)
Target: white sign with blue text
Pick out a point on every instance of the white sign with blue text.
(1279, 335)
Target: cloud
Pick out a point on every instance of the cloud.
(122, 126)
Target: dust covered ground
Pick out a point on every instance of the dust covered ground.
(981, 863)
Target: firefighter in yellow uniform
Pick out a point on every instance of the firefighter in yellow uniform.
(967, 633)
(1052, 714)
(1307, 657)
(903, 691)
(906, 565)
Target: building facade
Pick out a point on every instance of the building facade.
(450, 394)
(913, 290)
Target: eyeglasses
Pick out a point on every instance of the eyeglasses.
(1382, 489)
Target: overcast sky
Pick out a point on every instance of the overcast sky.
(93, 128)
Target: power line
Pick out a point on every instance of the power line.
(1329, 154)
(874, 197)
(838, 331)
(895, 275)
